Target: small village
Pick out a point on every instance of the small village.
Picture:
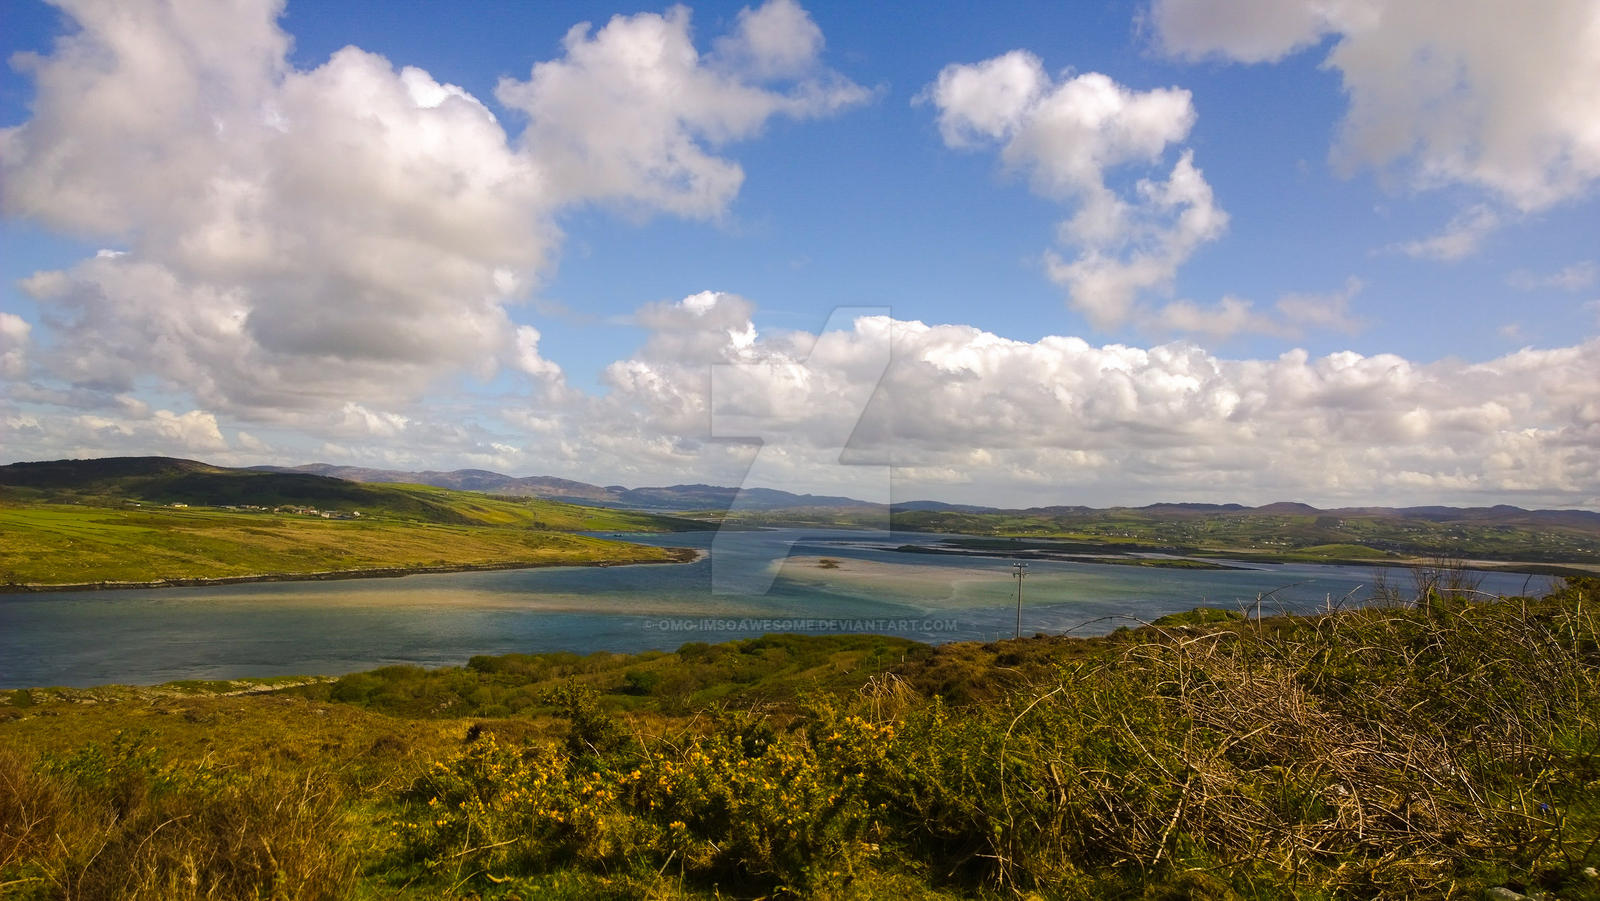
(289, 509)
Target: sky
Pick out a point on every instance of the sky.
(1345, 252)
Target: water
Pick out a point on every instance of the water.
(281, 628)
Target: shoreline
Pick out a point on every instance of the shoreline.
(1250, 557)
(676, 555)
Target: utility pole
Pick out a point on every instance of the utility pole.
(1019, 571)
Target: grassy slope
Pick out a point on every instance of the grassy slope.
(115, 482)
(109, 521)
(54, 544)
(1402, 752)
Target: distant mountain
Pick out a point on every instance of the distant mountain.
(716, 497)
(671, 497)
(1289, 508)
(179, 480)
(483, 480)
(941, 507)
(166, 480)
(1198, 509)
(58, 474)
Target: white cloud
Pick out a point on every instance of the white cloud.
(361, 421)
(775, 41)
(296, 238)
(1251, 32)
(1459, 239)
(14, 331)
(1066, 135)
(1117, 266)
(1501, 96)
(966, 414)
(1575, 277)
(629, 112)
(191, 434)
(528, 359)
(1061, 420)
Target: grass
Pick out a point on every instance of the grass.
(1351, 536)
(220, 488)
(45, 544)
(156, 519)
(1429, 749)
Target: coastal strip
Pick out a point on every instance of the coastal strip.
(675, 555)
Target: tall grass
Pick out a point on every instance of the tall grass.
(111, 823)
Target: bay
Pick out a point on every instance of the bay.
(747, 584)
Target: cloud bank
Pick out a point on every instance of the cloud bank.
(292, 239)
(1085, 423)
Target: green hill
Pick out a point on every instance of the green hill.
(162, 520)
(116, 481)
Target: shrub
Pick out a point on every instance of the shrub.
(114, 822)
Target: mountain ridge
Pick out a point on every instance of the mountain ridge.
(673, 497)
(69, 473)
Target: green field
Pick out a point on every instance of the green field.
(1436, 749)
(153, 519)
(53, 544)
(1252, 534)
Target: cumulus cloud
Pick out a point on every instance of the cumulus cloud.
(629, 113)
(1066, 136)
(966, 414)
(1068, 418)
(1500, 96)
(294, 238)
(191, 434)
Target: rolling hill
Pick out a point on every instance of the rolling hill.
(166, 481)
(133, 521)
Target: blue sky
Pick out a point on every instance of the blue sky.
(1398, 197)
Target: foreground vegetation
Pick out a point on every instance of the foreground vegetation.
(139, 520)
(1430, 750)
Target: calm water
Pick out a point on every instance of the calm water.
(152, 636)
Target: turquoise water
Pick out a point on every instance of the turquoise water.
(280, 628)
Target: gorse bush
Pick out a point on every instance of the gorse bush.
(737, 806)
(698, 675)
(1382, 752)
